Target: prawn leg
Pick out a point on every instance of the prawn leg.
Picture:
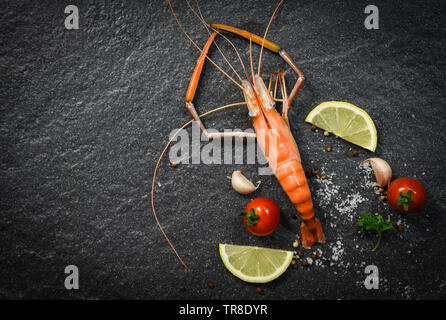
(285, 103)
(190, 94)
(274, 94)
(274, 48)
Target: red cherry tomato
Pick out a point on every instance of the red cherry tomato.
(261, 216)
(406, 195)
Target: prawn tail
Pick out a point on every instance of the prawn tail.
(311, 233)
(292, 178)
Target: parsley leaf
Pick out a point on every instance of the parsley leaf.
(377, 223)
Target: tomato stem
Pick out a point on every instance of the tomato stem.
(405, 199)
(251, 217)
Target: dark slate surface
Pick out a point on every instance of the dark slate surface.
(85, 114)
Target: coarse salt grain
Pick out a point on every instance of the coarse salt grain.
(369, 178)
(348, 206)
(338, 250)
(327, 191)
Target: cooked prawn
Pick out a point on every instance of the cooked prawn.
(272, 129)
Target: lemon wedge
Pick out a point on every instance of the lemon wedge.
(255, 264)
(346, 121)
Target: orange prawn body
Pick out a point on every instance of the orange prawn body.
(272, 129)
(280, 149)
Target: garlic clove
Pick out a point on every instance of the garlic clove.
(382, 170)
(241, 184)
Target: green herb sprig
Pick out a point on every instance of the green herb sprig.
(377, 223)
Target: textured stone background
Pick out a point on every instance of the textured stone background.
(85, 114)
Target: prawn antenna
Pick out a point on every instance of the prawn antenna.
(199, 49)
(224, 37)
(266, 32)
(156, 171)
(200, 17)
(250, 57)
